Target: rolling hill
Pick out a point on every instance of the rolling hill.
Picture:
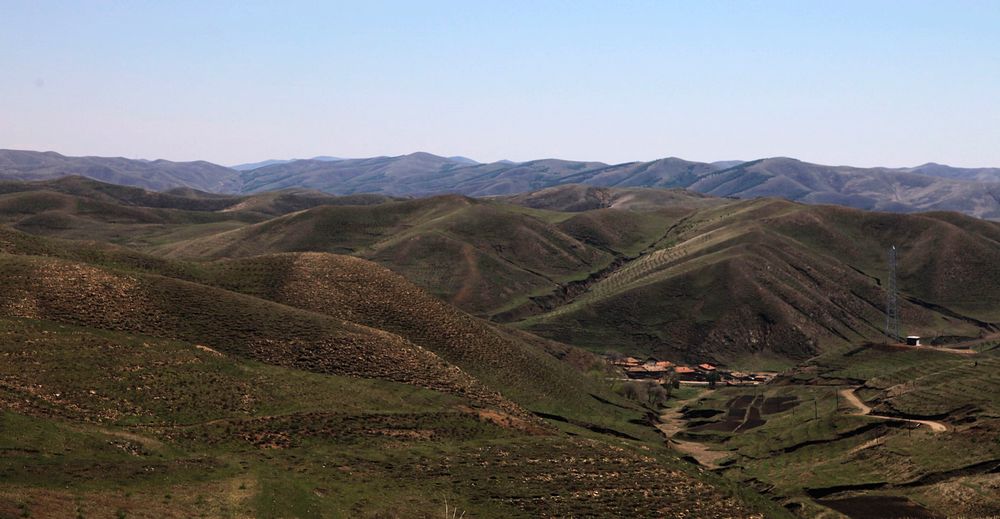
(929, 187)
(879, 189)
(159, 175)
(81, 208)
(280, 308)
(366, 354)
(300, 382)
(772, 277)
(663, 272)
(476, 254)
(582, 197)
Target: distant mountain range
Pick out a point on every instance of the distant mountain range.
(271, 162)
(158, 175)
(930, 187)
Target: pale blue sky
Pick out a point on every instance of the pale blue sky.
(837, 82)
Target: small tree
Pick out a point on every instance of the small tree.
(633, 390)
(657, 395)
(670, 382)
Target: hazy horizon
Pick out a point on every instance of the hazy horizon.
(851, 83)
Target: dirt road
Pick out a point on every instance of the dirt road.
(863, 409)
(958, 348)
(672, 422)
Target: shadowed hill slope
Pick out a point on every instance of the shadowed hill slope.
(773, 277)
(580, 197)
(477, 255)
(723, 280)
(370, 313)
(359, 291)
(269, 203)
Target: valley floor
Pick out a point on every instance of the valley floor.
(879, 432)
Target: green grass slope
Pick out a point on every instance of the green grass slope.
(353, 292)
(581, 197)
(774, 278)
(821, 451)
(77, 293)
(130, 393)
(480, 256)
(359, 291)
(108, 424)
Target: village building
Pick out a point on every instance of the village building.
(626, 362)
(685, 373)
(641, 372)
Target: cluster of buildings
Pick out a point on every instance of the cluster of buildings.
(665, 371)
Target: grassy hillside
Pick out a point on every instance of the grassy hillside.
(480, 256)
(81, 208)
(404, 331)
(776, 278)
(754, 283)
(165, 428)
(295, 354)
(581, 197)
(359, 291)
(304, 385)
(817, 450)
(71, 292)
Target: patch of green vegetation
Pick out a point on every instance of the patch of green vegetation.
(223, 436)
(824, 442)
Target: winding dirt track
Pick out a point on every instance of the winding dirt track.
(863, 409)
(671, 422)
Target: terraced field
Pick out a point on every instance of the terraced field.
(814, 451)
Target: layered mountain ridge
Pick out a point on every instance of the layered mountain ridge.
(929, 187)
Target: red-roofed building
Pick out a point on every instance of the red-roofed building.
(645, 372)
(689, 374)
